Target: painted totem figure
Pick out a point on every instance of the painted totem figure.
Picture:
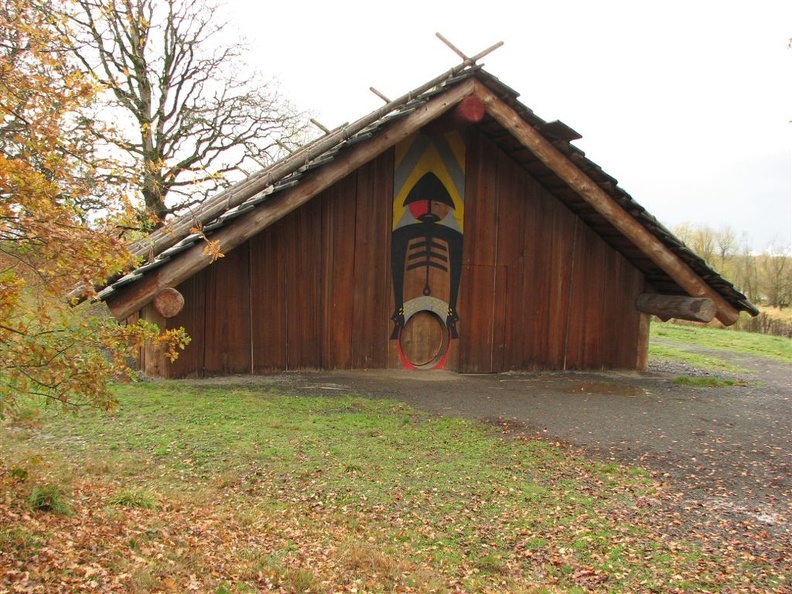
(426, 247)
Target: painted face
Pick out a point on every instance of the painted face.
(429, 210)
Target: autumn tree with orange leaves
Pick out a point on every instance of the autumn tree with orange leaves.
(49, 350)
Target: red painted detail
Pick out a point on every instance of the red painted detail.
(470, 110)
(419, 207)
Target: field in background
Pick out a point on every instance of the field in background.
(699, 345)
(771, 320)
(785, 314)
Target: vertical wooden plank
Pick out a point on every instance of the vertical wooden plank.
(626, 319)
(303, 287)
(535, 275)
(642, 344)
(599, 352)
(227, 345)
(372, 288)
(510, 261)
(586, 300)
(268, 298)
(499, 319)
(474, 158)
(559, 237)
(550, 281)
(637, 287)
(599, 276)
(482, 346)
(482, 289)
(339, 206)
(481, 204)
(191, 318)
(618, 330)
(577, 308)
(612, 325)
(476, 343)
(475, 335)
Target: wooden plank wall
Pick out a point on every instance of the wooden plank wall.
(227, 320)
(372, 297)
(540, 290)
(191, 360)
(311, 291)
(268, 278)
(339, 264)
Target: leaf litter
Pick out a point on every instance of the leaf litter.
(383, 500)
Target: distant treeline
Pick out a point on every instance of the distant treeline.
(765, 278)
(764, 324)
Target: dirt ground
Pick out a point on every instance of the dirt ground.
(726, 452)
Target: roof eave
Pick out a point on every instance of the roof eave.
(142, 291)
(180, 259)
(597, 198)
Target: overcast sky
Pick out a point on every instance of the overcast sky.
(687, 103)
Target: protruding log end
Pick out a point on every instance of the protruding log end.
(168, 303)
(470, 110)
(694, 309)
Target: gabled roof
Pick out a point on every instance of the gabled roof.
(172, 254)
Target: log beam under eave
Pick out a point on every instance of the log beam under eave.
(595, 196)
(693, 309)
(142, 292)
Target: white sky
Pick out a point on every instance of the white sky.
(700, 89)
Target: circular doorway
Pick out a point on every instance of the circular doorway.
(424, 340)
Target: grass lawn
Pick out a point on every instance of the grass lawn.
(246, 489)
(674, 341)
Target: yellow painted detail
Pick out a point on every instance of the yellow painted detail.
(431, 161)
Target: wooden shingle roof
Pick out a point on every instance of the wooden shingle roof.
(273, 192)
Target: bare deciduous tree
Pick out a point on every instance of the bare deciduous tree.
(699, 238)
(776, 269)
(726, 247)
(182, 108)
(746, 274)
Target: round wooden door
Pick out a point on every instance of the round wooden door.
(424, 339)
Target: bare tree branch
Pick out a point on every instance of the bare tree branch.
(181, 111)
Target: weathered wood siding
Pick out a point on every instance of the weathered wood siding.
(540, 290)
(311, 291)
